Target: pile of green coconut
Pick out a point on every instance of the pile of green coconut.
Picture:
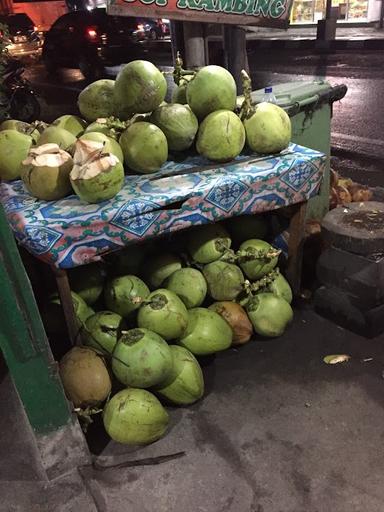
(146, 317)
(126, 127)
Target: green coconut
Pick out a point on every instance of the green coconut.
(189, 284)
(14, 148)
(72, 124)
(208, 243)
(268, 130)
(269, 314)
(212, 88)
(158, 268)
(45, 172)
(124, 294)
(280, 287)
(14, 124)
(178, 123)
(57, 135)
(185, 385)
(102, 330)
(179, 94)
(96, 176)
(163, 313)
(97, 100)
(206, 333)
(245, 227)
(225, 280)
(221, 136)
(100, 128)
(139, 88)
(87, 281)
(141, 359)
(254, 264)
(110, 145)
(85, 377)
(22, 127)
(105, 185)
(144, 146)
(135, 416)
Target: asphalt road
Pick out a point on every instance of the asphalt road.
(358, 120)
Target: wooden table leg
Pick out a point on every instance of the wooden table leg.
(295, 247)
(67, 304)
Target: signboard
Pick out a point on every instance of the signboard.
(267, 13)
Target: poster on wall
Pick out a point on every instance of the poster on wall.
(265, 13)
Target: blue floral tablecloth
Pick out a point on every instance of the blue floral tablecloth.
(69, 232)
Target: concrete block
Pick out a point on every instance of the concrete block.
(336, 305)
(360, 276)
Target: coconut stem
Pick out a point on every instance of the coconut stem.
(85, 416)
(262, 284)
(229, 256)
(37, 125)
(257, 254)
(247, 108)
(179, 72)
(113, 123)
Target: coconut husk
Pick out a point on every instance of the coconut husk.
(47, 155)
(360, 193)
(343, 195)
(345, 190)
(91, 160)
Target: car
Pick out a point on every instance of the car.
(23, 37)
(92, 40)
(156, 29)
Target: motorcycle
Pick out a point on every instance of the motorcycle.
(18, 99)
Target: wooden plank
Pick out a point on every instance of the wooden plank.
(67, 304)
(295, 247)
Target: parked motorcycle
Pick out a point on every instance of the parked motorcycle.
(18, 99)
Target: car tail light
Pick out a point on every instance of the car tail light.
(91, 33)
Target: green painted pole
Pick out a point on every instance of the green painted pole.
(24, 343)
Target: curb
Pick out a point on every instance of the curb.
(304, 44)
(344, 152)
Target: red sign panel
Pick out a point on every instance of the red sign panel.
(238, 12)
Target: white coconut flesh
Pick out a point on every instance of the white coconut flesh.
(47, 155)
(90, 160)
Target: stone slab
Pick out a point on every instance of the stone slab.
(356, 227)
(360, 276)
(337, 305)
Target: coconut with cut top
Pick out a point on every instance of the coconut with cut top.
(96, 175)
(45, 172)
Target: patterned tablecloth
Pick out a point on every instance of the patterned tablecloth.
(68, 232)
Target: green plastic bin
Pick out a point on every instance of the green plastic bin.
(309, 105)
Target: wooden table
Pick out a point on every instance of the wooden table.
(191, 192)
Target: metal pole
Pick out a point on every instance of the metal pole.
(381, 24)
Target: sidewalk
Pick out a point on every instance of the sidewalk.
(295, 37)
(278, 430)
